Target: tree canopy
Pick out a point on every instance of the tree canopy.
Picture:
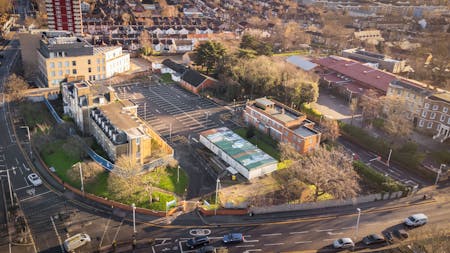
(209, 54)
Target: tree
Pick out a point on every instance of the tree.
(395, 112)
(90, 170)
(252, 43)
(353, 107)
(5, 6)
(75, 146)
(330, 129)
(328, 171)
(371, 107)
(146, 43)
(125, 180)
(15, 87)
(209, 55)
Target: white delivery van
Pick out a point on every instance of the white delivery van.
(416, 220)
(76, 241)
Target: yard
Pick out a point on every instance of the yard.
(262, 141)
(166, 78)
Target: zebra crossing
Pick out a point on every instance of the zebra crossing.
(171, 110)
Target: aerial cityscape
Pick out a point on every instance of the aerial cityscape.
(224, 126)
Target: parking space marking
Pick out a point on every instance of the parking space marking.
(299, 232)
(57, 234)
(35, 196)
(20, 188)
(245, 246)
(274, 244)
(303, 242)
(118, 229)
(274, 234)
(104, 231)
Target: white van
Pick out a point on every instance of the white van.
(76, 241)
(416, 220)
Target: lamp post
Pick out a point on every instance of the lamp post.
(439, 173)
(178, 174)
(134, 217)
(81, 177)
(217, 194)
(389, 157)
(29, 140)
(357, 222)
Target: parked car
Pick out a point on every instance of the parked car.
(34, 179)
(416, 220)
(76, 241)
(197, 241)
(373, 239)
(343, 243)
(401, 233)
(388, 236)
(207, 249)
(233, 238)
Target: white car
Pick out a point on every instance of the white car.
(34, 179)
(343, 243)
(416, 220)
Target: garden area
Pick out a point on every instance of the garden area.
(166, 78)
(262, 141)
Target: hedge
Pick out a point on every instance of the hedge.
(375, 179)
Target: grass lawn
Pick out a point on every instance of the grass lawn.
(168, 179)
(262, 141)
(55, 156)
(166, 78)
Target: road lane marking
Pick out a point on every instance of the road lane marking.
(299, 232)
(303, 242)
(274, 234)
(104, 231)
(118, 229)
(245, 246)
(352, 227)
(35, 196)
(22, 188)
(57, 234)
(324, 230)
(274, 244)
(328, 240)
(251, 240)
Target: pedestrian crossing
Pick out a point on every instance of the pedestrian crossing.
(171, 110)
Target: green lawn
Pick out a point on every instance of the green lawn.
(166, 78)
(262, 141)
(168, 179)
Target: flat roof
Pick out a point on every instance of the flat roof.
(301, 62)
(264, 101)
(242, 151)
(304, 131)
(119, 118)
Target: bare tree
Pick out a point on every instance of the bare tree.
(396, 122)
(90, 169)
(371, 107)
(353, 107)
(126, 178)
(146, 43)
(330, 129)
(329, 171)
(15, 87)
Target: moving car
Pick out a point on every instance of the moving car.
(76, 241)
(343, 243)
(34, 179)
(416, 220)
(373, 239)
(233, 238)
(207, 249)
(197, 241)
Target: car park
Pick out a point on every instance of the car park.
(233, 238)
(34, 179)
(76, 241)
(401, 233)
(416, 220)
(207, 249)
(197, 242)
(373, 239)
(343, 243)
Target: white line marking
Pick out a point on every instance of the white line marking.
(251, 240)
(118, 229)
(181, 247)
(328, 240)
(104, 231)
(245, 246)
(303, 242)
(153, 249)
(352, 227)
(275, 234)
(324, 230)
(22, 188)
(57, 234)
(35, 196)
(274, 244)
(299, 232)
(163, 239)
(26, 181)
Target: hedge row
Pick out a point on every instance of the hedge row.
(375, 179)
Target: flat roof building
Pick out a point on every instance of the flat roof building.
(240, 154)
(383, 62)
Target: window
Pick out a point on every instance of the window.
(98, 61)
(98, 68)
(59, 64)
(442, 117)
(67, 71)
(435, 107)
(66, 64)
(52, 65)
(74, 71)
(421, 123)
(52, 73)
(74, 63)
(427, 105)
(399, 92)
(60, 72)
(433, 115)
(89, 70)
(89, 61)
(430, 125)
(445, 110)
(424, 114)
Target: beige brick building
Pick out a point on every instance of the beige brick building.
(435, 116)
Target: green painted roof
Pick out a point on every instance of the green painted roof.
(240, 149)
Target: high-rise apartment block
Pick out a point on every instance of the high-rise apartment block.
(64, 15)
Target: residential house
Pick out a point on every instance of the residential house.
(282, 123)
(435, 116)
(184, 46)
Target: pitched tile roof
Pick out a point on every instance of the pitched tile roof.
(359, 72)
(193, 77)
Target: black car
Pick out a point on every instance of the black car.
(197, 241)
(207, 249)
(373, 239)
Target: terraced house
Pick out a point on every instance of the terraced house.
(435, 116)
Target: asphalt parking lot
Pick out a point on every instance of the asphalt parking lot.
(179, 116)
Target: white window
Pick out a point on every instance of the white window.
(67, 71)
(445, 110)
(442, 117)
(435, 107)
(59, 64)
(60, 73)
(424, 114)
(52, 65)
(430, 125)
(66, 64)
(427, 105)
(433, 115)
(421, 123)
(52, 73)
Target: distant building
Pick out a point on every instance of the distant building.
(435, 116)
(384, 62)
(301, 62)
(113, 123)
(282, 123)
(62, 57)
(64, 15)
(369, 35)
(241, 155)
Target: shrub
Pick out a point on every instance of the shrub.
(375, 179)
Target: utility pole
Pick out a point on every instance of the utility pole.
(81, 177)
(217, 194)
(439, 173)
(29, 140)
(178, 174)
(389, 157)
(134, 217)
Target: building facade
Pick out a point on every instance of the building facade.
(64, 15)
(383, 62)
(435, 116)
(282, 123)
(62, 58)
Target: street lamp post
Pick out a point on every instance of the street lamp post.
(81, 177)
(29, 139)
(10, 188)
(357, 222)
(178, 174)
(134, 217)
(389, 157)
(217, 194)
(439, 173)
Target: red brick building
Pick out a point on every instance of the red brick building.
(282, 123)
(195, 82)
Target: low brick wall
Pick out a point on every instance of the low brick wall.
(223, 212)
